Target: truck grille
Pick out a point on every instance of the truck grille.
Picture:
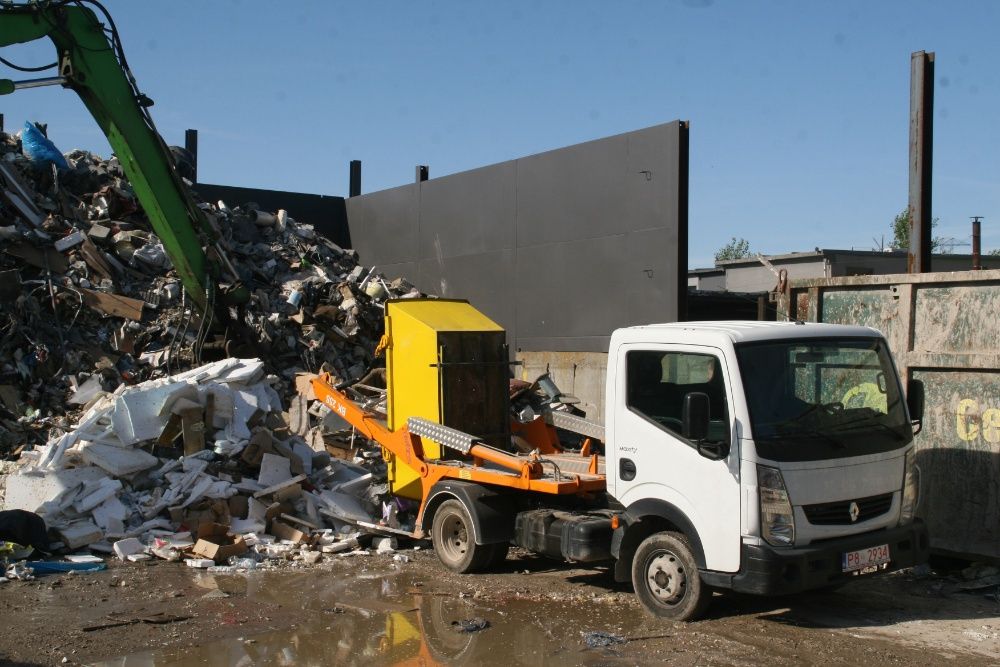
(839, 513)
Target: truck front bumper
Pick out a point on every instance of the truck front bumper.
(768, 571)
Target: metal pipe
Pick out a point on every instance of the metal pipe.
(8, 86)
(977, 262)
(921, 160)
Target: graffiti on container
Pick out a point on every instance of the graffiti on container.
(972, 422)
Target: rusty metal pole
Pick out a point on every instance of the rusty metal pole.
(977, 262)
(191, 146)
(354, 188)
(921, 160)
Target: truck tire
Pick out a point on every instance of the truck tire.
(666, 580)
(454, 540)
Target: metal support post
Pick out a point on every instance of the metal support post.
(921, 160)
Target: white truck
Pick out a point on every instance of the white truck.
(760, 457)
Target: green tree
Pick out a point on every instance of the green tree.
(901, 232)
(735, 249)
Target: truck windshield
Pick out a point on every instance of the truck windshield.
(822, 398)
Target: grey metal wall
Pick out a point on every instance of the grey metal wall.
(560, 248)
(325, 212)
(942, 329)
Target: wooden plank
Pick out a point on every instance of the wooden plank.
(47, 258)
(113, 304)
(95, 259)
(193, 429)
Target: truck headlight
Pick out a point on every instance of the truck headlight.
(911, 489)
(777, 523)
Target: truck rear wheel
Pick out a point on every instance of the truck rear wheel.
(666, 580)
(454, 540)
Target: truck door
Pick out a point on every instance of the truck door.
(650, 458)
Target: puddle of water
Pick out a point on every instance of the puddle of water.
(389, 620)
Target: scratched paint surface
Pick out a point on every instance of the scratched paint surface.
(876, 308)
(958, 452)
(957, 320)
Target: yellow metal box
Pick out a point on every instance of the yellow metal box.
(446, 362)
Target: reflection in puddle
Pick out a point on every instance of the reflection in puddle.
(388, 620)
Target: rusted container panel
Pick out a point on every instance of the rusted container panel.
(958, 452)
(956, 319)
(944, 329)
(877, 308)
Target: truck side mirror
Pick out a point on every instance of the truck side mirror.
(915, 402)
(695, 416)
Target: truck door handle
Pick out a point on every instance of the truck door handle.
(626, 469)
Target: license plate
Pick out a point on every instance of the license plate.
(866, 559)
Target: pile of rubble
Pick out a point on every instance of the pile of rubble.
(89, 299)
(204, 465)
(123, 448)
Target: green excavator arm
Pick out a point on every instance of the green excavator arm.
(91, 63)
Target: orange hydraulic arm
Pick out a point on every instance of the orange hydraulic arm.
(525, 472)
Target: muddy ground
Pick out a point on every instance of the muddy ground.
(374, 610)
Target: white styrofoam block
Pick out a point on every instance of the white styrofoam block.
(200, 562)
(245, 406)
(128, 546)
(355, 486)
(384, 545)
(107, 488)
(273, 470)
(118, 461)
(345, 506)
(111, 514)
(80, 534)
(137, 417)
(29, 490)
(305, 454)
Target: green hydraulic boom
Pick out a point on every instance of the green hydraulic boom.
(91, 62)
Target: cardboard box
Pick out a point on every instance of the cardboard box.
(216, 542)
(285, 532)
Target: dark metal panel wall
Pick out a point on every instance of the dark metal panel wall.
(326, 213)
(560, 247)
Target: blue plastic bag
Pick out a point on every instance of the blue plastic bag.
(39, 149)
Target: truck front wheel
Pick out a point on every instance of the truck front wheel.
(454, 540)
(665, 577)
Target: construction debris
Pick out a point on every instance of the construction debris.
(129, 443)
(91, 301)
(234, 503)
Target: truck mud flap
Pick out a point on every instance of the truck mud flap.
(492, 512)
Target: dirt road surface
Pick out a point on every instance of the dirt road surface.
(373, 609)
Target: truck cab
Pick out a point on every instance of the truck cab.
(766, 458)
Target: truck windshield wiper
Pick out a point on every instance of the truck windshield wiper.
(805, 433)
(867, 422)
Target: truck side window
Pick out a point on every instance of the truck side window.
(656, 383)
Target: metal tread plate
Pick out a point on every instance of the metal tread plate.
(570, 422)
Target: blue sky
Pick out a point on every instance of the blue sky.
(799, 110)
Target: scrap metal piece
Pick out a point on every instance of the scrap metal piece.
(570, 422)
(444, 435)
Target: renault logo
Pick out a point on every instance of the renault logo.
(854, 511)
